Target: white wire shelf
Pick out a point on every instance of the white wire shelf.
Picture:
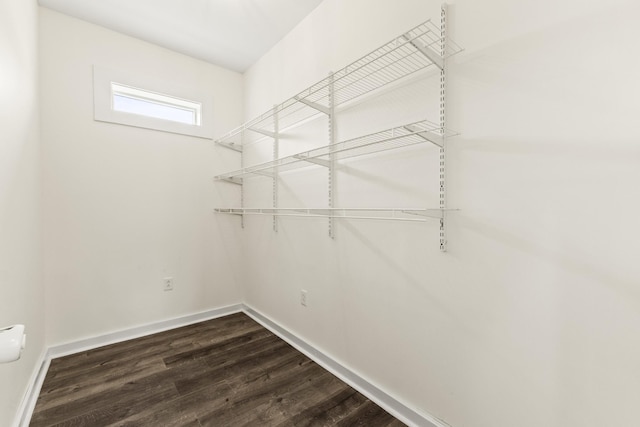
(398, 137)
(386, 214)
(414, 50)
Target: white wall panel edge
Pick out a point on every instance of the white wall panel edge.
(374, 393)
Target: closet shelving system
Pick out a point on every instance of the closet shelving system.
(424, 46)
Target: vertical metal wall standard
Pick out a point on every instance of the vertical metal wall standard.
(242, 136)
(443, 116)
(276, 156)
(332, 157)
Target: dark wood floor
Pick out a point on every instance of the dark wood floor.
(224, 372)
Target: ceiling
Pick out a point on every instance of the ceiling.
(231, 33)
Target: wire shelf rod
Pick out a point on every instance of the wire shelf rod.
(385, 214)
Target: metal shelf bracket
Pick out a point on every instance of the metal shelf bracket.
(232, 180)
(429, 53)
(320, 162)
(264, 132)
(427, 136)
(230, 145)
(313, 105)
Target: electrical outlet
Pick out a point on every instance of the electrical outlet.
(168, 283)
(303, 297)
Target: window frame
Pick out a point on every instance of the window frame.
(119, 90)
(103, 80)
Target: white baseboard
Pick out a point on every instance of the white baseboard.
(374, 393)
(140, 331)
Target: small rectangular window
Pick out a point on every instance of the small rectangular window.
(151, 102)
(144, 103)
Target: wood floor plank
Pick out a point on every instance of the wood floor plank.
(94, 384)
(224, 372)
(166, 343)
(368, 415)
(106, 407)
(242, 342)
(165, 415)
(302, 394)
(260, 403)
(188, 381)
(327, 411)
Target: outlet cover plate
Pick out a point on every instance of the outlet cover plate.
(303, 297)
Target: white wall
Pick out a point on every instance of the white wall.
(21, 292)
(531, 317)
(124, 206)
